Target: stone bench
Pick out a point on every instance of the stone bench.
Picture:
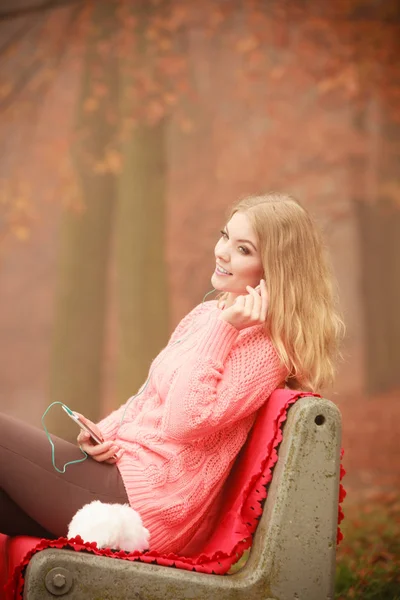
(293, 551)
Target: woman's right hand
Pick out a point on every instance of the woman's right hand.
(248, 310)
(104, 452)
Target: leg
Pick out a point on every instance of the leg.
(30, 481)
(13, 520)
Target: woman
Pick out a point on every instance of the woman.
(169, 449)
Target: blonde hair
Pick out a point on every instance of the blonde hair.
(303, 322)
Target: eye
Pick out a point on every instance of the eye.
(244, 250)
(223, 233)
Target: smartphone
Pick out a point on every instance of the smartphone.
(82, 425)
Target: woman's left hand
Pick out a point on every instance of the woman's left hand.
(248, 310)
(104, 452)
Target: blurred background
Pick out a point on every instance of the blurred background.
(128, 128)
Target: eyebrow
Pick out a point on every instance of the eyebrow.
(243, 241)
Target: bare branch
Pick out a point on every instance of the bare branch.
(62, 47)
(19, 86)
(34, 67)
(38, 8)
(18, 35)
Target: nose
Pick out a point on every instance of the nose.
(222, 254)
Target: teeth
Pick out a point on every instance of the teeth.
(222, 270)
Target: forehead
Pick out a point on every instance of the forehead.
(240, 227)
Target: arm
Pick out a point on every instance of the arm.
(220, 386)
(110, 424)
(184, 326)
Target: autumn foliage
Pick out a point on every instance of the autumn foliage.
(285, 59)
(368, 558)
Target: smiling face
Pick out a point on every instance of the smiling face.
(237, 255)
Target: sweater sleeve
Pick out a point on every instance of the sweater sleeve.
(217, 386)
(110, 424)
(185, 324)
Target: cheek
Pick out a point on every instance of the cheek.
(260, 270)
(255, 270)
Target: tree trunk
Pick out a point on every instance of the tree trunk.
(378, 218)
(140, 231)
(79, 324)
(379, 232)
(141, 274)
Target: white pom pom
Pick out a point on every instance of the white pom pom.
(115, 526)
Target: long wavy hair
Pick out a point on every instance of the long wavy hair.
(303, 321)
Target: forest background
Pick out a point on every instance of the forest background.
(127, 128)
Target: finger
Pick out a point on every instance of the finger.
(256, 308)
(86, 447)
(255, 293)
(116, 456)
(248, 307)
(108, 448)
(110, 456)
(83, 437)
(97, 450)
(264, 300)
(239, 304)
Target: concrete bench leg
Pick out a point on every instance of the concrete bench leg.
(295, 542)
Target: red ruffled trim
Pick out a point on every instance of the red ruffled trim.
(342, 496)
(252, 501)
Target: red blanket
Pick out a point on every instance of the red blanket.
(245, 492)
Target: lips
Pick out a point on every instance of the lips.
(221, 271)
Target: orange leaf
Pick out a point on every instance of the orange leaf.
(155, 111)
(100, 168)
(5, 89)
(151, 34)
(113, 160)
(21, 232)
(164, 44)
(247, 44)
(100, 90)
(187, 125)
(170, 98)
(277, 72)
(90, 105)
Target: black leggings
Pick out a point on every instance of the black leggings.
(37, 500)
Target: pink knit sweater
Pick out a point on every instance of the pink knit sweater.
(183, 432)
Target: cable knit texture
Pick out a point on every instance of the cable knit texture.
(182, 433)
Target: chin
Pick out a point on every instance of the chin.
(217, 285)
